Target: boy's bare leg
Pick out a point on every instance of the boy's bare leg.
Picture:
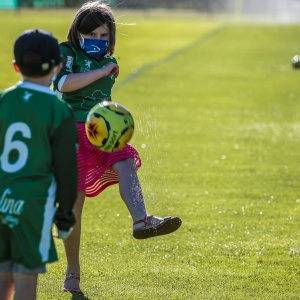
(72, 243)
(25, 286)
(6, 285)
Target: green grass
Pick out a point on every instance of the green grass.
(217, 106)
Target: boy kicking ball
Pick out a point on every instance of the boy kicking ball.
(38, 168)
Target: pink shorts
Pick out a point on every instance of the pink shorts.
(93, 164)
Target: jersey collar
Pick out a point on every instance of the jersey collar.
(35, 86)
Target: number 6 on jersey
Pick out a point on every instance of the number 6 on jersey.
(10, 145)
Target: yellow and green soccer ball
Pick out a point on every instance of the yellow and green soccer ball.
(109, 126)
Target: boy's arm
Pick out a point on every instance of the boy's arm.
(64, 148)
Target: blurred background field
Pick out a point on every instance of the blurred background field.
(216, 105)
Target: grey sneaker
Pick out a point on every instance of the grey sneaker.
(154, 226)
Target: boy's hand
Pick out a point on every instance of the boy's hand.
(63, 234)
(110, 69)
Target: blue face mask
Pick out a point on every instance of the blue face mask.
(92, 47)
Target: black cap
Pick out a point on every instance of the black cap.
(39, 41)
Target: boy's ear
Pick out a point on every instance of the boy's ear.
(57, 68)
(16, 67)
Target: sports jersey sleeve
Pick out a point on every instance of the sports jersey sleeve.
(68, 55)
(64, 148)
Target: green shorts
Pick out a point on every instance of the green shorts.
(9, 266)
(26, 238)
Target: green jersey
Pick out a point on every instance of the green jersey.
(38, 170)
(82, 100)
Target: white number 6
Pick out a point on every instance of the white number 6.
(10, 145)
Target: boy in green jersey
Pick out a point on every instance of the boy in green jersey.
(38, 166)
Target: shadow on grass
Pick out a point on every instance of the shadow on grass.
(79, 296)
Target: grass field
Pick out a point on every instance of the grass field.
(217, 117)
